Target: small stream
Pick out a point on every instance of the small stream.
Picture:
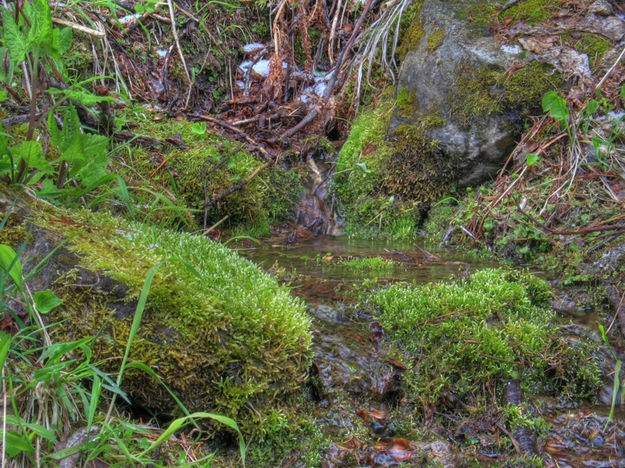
(356, 379)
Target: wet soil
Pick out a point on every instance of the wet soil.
(356, 379)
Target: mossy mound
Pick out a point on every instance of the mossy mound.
(203, 169)
(372, 203)
(222, 335)
(466, 337)
(418, 170)
(482, 92)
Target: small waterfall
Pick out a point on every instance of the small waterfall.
(316, 211)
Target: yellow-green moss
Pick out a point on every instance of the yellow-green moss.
(14, 233)
(533, 11)
(205, 168)
(222, 334)
(383, 184)
(406, 102)
(411, 30)
(595, 47)
(435, 39)
(481, 92)
(465, 337)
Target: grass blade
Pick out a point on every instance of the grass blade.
(136, 321)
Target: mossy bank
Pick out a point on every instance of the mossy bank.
(222, 335)
(178, 180)
(465, 338)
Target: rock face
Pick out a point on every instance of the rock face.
(222, 335)
(458, 75)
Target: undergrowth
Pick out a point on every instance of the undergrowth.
(465, 337)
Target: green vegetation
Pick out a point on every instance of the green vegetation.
(482, 92)
(76, 390)
(234, 338)
(200, 172)
(385, 184)
(411, 29)
(435, 39)
(464, 337)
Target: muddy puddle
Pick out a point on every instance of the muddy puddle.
(356, 378)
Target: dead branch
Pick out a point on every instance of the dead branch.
(337, 69)
(240, 132)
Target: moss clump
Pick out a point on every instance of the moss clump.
(361, 161)
(593, 46)
(533, 11)
(484, 91)
(384, 185)
(411, 29)
(435, 39)
(406, 102)
(222, 334)
(418, 170)
(205, 168)
(466, 336)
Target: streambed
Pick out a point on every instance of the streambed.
(356, 378)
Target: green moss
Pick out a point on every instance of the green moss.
(435, 39)
(595, 47)
(484, 91)
(406, 102)
(204, 169)
(222, 334)
(465, 337)
(418, 170)
(533, 11)
(411, 29)
(383, 185)
(362, 157)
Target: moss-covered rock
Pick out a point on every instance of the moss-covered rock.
(464, 338)
(466, 79)
(222, 335)
(205, 167)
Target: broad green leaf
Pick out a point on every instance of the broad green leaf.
(531, 158)
(96, 389)
(31, 152)
(13, 39)
(556, 106)
(199, 128)
(17, 443)
(36, 428)
(11, 264)
(45, 301)
(591, 107)
(40, 31)
(56, 351)
(623, 91)
(65, 40)
(5, 343)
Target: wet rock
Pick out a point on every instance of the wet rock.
(609, 261)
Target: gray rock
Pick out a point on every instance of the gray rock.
(477, 146)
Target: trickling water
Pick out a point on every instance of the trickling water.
(316, 210)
